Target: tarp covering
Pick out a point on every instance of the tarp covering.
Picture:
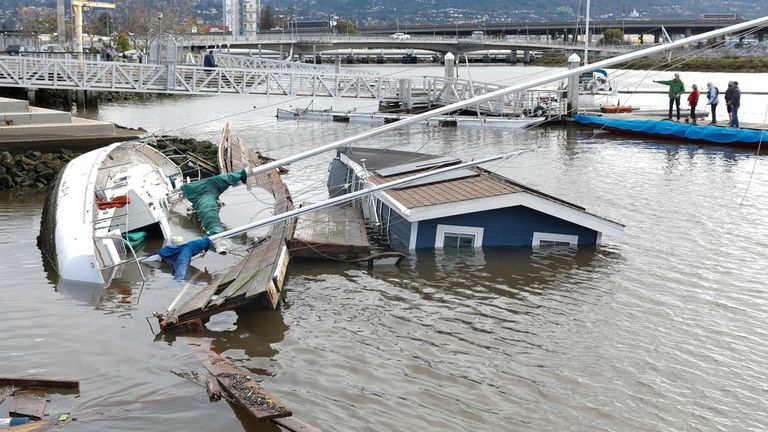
(203, 195)
(684, 131)
(181, 255)
(135, 238)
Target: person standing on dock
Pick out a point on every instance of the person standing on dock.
(693, 100)
(209, 62)
(713, 100)
(728, 96)
(735, 104)
(676, 88)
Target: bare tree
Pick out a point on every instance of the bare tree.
(37, 19)
(140, 19)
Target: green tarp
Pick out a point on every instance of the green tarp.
(203, 194)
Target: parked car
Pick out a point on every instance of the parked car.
(400, 36)
(52, 48)
(18, 49)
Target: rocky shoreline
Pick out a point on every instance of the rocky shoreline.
(34, 170)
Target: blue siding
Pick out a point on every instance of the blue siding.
(511, 226)
(399, 228)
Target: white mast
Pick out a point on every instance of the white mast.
(586, 38)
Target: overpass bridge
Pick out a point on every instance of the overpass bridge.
(256, 78)
(564, 31)
(314, 44)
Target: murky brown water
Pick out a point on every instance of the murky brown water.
(662, 330)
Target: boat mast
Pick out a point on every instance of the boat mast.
(508, 90)
(586, 37)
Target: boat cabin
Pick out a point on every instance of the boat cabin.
(465, 208)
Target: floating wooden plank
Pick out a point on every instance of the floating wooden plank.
(336, 233)
(38, 383)
(26, 405)
(213, 389)
(292, 424)
(243, 389)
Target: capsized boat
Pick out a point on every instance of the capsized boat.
(102, 198)
(682, 132)
(112, 198)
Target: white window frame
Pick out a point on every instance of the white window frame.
(572, 240)
(442, 230)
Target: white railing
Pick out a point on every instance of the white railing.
(261, 78)
(252, 62)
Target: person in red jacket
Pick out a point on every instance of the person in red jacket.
(693, 100)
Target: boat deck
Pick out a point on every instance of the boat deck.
(331, 233)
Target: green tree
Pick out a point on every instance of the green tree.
(345, 27)
(612, 36)
(266, 19)
(122, 42)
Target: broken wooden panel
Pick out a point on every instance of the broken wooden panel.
(243, 389)
(292, 424)
(336, 233)
(27, 405)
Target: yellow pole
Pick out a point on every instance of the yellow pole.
(78, 45)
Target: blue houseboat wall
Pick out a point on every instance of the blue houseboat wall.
(511, 226)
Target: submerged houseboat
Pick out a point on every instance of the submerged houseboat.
(467, 208)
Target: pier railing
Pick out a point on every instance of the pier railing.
(260, 79)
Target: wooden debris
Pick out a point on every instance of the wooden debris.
(26, 405)
(243, 390)
(292, 424)
(38, 383)
(214, 391)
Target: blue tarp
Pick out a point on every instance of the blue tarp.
(685, 131)
(181, 255)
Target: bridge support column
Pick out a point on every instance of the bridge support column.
(67, 99)
(760, 37)
(337, 63)
(656, 37)
(80, 99)
(319, 59)
(302, 57)
(91, 99)
(513, 56)
(314, 53)
(526, 56)
(688, 32)
(259, 50)
(31, 96)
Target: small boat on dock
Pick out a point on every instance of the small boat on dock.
(680, 132)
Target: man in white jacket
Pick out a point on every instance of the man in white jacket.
(712, 100)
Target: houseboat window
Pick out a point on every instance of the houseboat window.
(549, 239)
(461, 237)
(458, 241)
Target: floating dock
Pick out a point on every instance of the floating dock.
(461, 121)
(335, 233)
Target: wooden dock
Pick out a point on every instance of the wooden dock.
(335, 233)
(257, 280)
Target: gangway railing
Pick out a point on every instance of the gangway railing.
(261, 79)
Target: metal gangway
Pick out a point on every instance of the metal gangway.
(256, 79)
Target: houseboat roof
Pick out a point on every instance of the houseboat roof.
(458, 192)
